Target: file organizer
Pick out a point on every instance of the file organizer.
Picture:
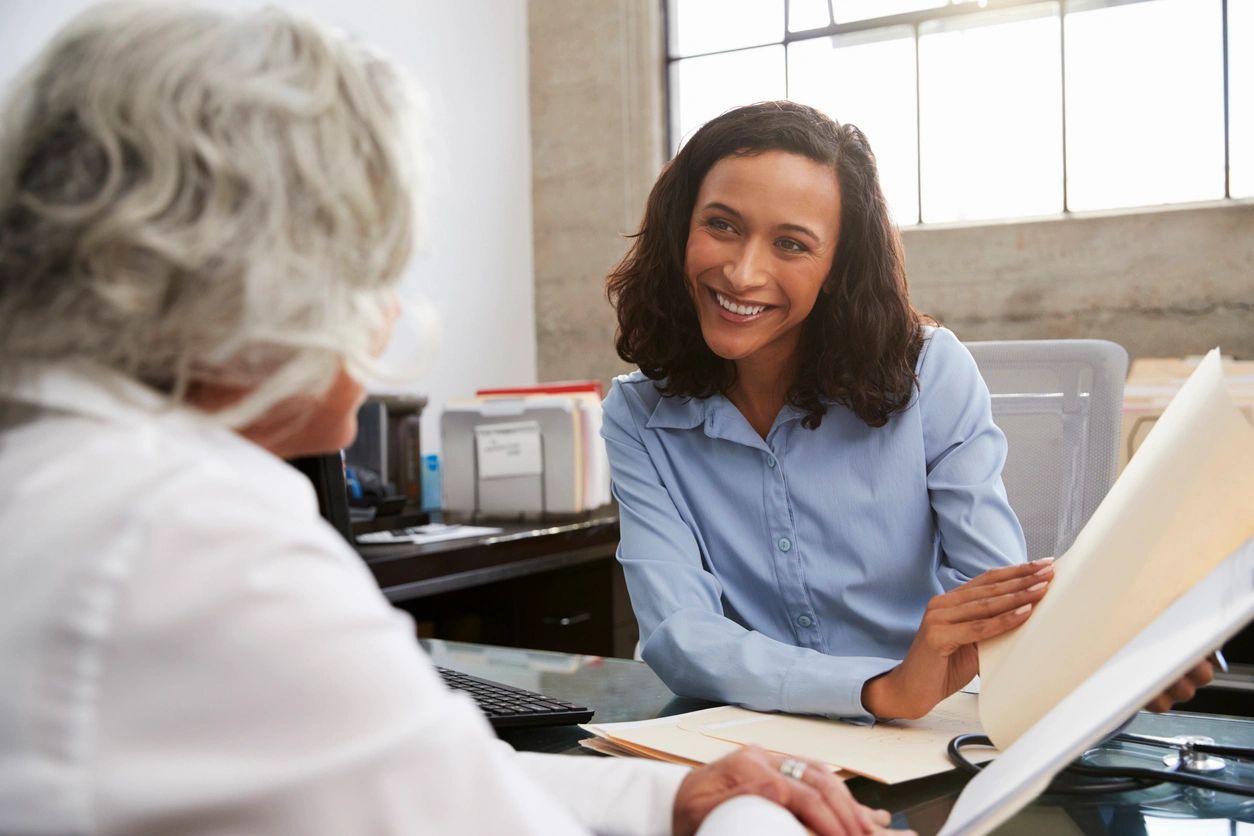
(524, 455)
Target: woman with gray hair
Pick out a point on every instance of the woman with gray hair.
(201, 220)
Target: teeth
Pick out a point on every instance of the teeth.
(744, 310)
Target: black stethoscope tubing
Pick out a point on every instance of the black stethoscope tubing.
(1124, 778)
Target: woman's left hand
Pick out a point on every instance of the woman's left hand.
(1184, 688)
(943, 657)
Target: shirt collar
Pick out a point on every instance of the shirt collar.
(85, 388)
(677, 413)
(718, 416)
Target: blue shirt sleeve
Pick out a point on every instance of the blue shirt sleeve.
(965, 454)
(685, 636)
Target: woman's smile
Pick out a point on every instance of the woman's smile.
(736, 310)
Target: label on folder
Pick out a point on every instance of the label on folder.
(512, 449)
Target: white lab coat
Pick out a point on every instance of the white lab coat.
(187, 647)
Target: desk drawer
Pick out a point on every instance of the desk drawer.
(568, 610)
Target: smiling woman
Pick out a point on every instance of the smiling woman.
(804, 465)
(861, 345)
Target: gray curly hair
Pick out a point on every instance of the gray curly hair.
(191, 197)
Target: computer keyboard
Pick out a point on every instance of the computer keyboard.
(506, 706)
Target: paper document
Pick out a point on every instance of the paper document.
(1204, 618)
(509, 450)
(431, 533)
(901, 750)
(1182, 505)
(664, 739)
(890, 752)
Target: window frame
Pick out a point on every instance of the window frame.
(915, 20)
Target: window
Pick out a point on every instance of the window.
(990, 115)
(1145, 113)
(885, 111)
(985, 109)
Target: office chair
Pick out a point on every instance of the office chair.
(1059, 402)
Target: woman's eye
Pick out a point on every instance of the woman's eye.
(719, 224)
(792, 246)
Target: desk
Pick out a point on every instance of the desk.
(550, 585)
(620, 689)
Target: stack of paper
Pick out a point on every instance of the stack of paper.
(891, 752)
(1154, 381)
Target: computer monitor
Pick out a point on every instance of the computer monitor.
(326, 473)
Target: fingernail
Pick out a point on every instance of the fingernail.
(1047, 569)
(1040, 561)
(1023, 609)
(1037, 586)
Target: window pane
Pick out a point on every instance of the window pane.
(832, 74)
(702, 88)
(1241, 96)
(699, 26)
(990, 98)
(1144, 104)
(808, 14)
(850, 10)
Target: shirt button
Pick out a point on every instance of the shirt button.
(805, 620)
(770, 461)
(784, 544)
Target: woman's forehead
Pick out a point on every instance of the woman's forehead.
(778, 185)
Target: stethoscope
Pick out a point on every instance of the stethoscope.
(1193, 760)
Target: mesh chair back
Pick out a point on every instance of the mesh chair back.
(1059, 404)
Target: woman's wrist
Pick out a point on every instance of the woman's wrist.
(878, 695)
(889, 697)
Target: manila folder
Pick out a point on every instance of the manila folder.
(1182, 505)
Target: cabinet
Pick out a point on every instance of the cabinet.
(552, 587)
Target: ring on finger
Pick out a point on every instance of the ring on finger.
(793, 768)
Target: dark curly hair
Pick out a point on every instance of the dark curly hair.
(860, 343)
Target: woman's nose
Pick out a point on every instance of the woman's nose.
(747, 268)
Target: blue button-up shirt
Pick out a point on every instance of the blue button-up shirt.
(783, 573)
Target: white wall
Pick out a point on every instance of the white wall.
(474, 261)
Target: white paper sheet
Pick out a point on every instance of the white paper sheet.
(504, 450)
(430, 533)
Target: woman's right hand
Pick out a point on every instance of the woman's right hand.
(818, 799)
(943, 657)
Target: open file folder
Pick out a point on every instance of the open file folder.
(1162, 574)
(1203, 619)
(1181, 506)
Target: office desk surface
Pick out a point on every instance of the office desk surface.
(620, 689)
(406, 571)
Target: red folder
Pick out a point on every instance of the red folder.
(561, 387)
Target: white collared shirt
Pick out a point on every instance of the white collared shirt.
(187, 647)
